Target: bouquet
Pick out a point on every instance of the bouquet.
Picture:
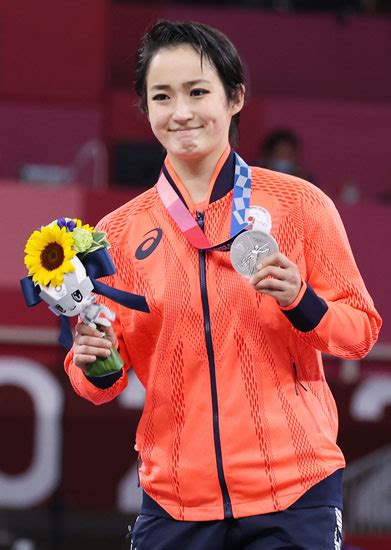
(64, 259)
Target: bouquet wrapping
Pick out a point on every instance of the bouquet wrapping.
(64, 260)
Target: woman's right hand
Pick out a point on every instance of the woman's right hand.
(89, 344)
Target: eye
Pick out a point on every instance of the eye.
(197, 92)
(60, 309)
(160, 97)
(77, 296)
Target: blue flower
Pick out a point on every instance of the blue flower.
(70, 224)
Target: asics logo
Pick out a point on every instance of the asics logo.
(146, 248)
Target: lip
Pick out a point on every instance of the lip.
(185, 129)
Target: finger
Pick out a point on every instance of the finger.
(93, 341)
(83, 329)
(270, 271)
(82, 361)
(279, 296)
(110, 334)
(92, 350)
(271, 285)
(276, 259)
(284, 298)
(108, 330)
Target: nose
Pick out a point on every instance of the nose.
(182, 110)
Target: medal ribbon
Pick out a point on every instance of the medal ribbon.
(188, 225)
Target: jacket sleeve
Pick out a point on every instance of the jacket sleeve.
(334, 312)
(100, 390)
(103, 389)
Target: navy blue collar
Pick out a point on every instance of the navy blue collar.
(223, 184)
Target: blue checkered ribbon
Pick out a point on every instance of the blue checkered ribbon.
(239, 209)
(241, 196)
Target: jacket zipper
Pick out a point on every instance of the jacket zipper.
(138, 465)
(297, 381)
(212, 371)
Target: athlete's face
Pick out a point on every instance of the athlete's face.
(188, 108)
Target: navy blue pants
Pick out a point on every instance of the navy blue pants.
(317, 528)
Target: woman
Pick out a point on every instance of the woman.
(237, 441)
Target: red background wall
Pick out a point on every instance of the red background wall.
(67, 68)
(65, 78)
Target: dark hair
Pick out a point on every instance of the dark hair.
(208, 42)
(277, 136)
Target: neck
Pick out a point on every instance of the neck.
(196, 174)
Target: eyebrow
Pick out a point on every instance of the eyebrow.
(187, 84)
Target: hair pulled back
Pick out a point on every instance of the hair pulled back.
(208, 42)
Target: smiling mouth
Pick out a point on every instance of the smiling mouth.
(72, 308)
(185, 129)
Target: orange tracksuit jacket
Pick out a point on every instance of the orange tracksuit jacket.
(238, 417)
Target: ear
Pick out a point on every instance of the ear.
(238, 101)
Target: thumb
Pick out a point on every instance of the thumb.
(110, 334)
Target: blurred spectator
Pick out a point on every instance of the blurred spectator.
(305, 5)
(376, 6)
(327, 5)
(366, 6)
(280, 151)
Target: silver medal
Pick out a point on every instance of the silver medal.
(249, 249)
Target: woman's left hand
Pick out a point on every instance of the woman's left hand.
(278, 277)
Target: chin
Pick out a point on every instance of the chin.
(190, 149)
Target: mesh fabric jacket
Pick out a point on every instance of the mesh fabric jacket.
(277, 419)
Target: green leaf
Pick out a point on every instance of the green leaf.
(94, 247)
(99, 236)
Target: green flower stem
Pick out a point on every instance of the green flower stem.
(105, 365)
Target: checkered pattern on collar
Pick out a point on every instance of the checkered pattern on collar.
(242, 193)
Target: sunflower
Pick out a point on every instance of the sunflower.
(86, 226)
(48, 255)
